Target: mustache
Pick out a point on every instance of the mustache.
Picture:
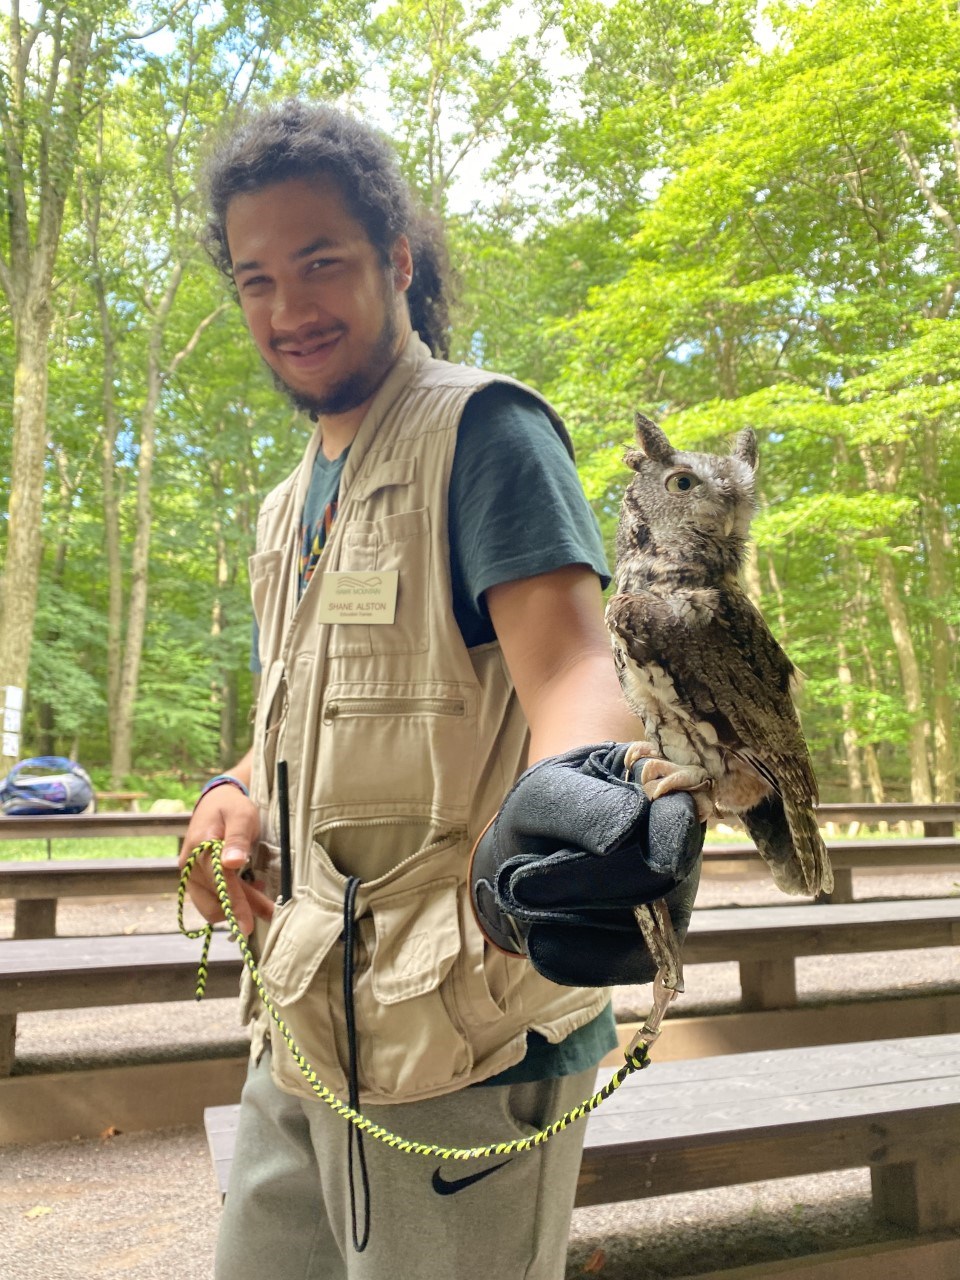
(287, 342)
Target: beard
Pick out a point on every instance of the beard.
(355, 387)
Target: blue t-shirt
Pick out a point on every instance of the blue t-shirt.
(516, 509)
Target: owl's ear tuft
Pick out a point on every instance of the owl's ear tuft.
(651, 440)
(745, 447)
(634, 458)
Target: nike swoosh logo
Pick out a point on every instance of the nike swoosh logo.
(443, 1188)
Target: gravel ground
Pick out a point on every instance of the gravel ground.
(144, 1206)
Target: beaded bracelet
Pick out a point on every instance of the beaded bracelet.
(221, 780)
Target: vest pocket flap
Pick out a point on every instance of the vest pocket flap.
(303, 933)
(417, 939)
(388, 472)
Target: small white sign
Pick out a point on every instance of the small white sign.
(11, 744)
(347, 597)
(11, 720)
(14, 697)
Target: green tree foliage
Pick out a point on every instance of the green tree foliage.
(669, 207)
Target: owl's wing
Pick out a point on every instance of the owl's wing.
(752, 682)
(727, 667)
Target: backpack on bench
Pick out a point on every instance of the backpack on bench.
(46, 784)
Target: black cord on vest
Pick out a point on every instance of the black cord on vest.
(353, 1134)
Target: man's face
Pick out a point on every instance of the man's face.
(325, 312)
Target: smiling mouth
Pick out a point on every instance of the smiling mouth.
(316, 348)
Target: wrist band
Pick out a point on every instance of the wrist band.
(221, 780)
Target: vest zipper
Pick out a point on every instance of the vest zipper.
(445, 837)
(393, 707)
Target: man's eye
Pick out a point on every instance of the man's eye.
(251, 282)
(321, 262)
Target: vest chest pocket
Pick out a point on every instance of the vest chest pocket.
(401, 542)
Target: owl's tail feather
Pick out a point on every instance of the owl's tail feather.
(811, 851)
(789, 841)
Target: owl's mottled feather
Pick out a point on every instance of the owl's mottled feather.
(696, 660)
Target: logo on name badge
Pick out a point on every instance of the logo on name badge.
(347, 596)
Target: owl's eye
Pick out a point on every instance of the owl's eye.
(681, 482)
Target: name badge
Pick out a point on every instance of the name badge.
(359, 597)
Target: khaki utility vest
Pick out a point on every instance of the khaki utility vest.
(400, 744)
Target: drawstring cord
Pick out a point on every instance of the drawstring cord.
(636, 1054)
(354, 1135)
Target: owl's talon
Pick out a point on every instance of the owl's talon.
(637, 751)
(660, 777)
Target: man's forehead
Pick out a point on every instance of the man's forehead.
(297, 216)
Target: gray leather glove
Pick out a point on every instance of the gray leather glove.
(572, 850)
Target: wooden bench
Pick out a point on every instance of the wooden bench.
(66, 973)
(766, 941)
(77, 973)
(890, 1105)
(129, 800)
(79, 826)
(36, 887)
(847, 856)
(938, 819)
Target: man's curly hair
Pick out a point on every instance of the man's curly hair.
(295, 139)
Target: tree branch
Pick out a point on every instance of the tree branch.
(942, 214)
(144, 35)
(195, 337)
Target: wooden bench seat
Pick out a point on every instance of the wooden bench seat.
(892, 1105)
(129, 800)
(846, 856)
(36, 887)
(77, 973)
(766, 941)
(79, 826)
(64, 973)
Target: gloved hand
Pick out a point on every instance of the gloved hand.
(572, 850)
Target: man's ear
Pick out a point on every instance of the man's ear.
(402, 260)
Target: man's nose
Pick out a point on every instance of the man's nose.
(293, 307)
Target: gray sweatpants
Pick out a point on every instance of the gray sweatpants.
(287, 1211)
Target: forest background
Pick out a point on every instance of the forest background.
(715, 214)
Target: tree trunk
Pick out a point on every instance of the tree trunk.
(851, 745)
(121, 754)
(111, 499)
(920, 789)
(18, 589)
(870, 762)
(777, 590)
(941, 647)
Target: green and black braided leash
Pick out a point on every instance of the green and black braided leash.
(636, 1056)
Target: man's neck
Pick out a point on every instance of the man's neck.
(339, 431)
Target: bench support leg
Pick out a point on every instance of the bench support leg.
(842, 887)
(35, 918)
(768, 984)
(8, 1035)
(923, 1195)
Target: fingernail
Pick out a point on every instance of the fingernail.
(234, 857)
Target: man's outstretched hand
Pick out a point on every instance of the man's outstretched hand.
(574, 847)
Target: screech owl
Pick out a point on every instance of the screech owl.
(698, 664)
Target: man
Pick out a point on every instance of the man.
(427, 590)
